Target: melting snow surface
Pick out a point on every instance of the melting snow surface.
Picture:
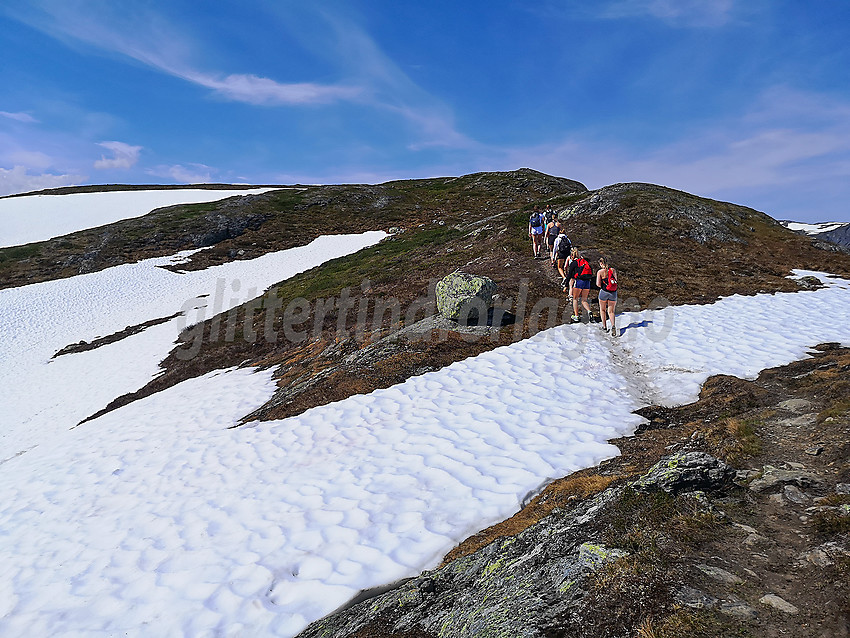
(157, 520)
(39, 217)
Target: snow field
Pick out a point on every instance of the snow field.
(271, 526)
(42, 395)
(34, 218)
(737, 335)
(156, 519)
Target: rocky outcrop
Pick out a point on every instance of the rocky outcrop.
(219, 226)
(512, 587)
(461, 296)
(521, 585)
(773, 478)
(686, 472)
(667, 211)
(838, 236)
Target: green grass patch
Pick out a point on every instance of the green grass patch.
(693, 624)
(17, 253)
(745, 441)
(285, 199)
(565, 200)
(836, 411)
(645, 523)
(833, 522)
(386, 261)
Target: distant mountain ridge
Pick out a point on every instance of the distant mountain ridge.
(833, 232)
(105, 188)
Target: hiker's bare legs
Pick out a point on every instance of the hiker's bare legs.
(584, 302)
(612, 306)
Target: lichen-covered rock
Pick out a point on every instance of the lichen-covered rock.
(686, 472)
(461, 295)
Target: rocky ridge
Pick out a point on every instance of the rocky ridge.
(839, 236)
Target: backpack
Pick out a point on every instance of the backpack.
(584, 271)
(536, 220)
(564, 247)
(610, 283)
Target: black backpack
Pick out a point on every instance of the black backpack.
(564, 248)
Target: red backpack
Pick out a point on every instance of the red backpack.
(583, 269)
(609, 284)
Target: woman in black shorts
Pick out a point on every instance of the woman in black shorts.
(553, 229)
(582, 274)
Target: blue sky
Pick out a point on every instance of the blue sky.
(741, 100)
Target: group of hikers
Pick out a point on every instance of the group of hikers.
(549, 239)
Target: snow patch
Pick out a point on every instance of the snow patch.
(42, 396)
(814, 229)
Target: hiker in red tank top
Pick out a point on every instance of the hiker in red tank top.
(606, 280)
(582, 274)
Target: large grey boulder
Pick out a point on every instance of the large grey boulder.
(461, 295)
(686, 472)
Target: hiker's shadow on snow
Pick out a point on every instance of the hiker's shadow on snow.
(636, 324)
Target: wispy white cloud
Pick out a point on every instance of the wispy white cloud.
(19, 117)
(191, 174)
(143, 35)
(372, 79)
(123, 156)
(252, 89)
(19, 180)
(388, 88)
(687, 13)
(31, 159)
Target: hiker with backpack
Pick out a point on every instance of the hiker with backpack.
(606, 280)
(560, 253)
(582, 274)
(536, 227)
(553, 231)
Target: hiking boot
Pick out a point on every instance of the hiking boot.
(575, 318)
